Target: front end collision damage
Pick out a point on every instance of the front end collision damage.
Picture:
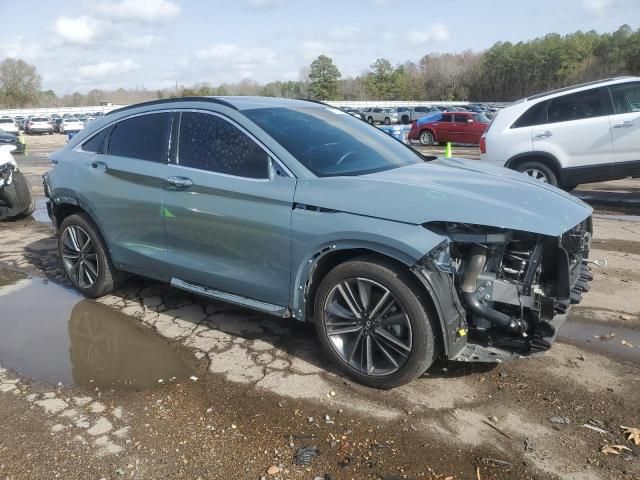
(514, 287)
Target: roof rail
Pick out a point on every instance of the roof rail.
(580, 85)
(319, 102)
(219, 101)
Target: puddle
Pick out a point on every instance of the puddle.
(597, 337)
(53, 334)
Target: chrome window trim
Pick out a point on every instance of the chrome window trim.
(272, 156)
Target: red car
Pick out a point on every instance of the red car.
(455, 127)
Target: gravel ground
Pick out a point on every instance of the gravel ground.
(253, 389)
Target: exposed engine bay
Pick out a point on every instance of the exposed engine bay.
(514, 286)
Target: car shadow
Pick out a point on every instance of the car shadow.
(294, 338)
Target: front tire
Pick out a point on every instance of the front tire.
(539, 171)
(85, 257)
(372, 321)
(387, 121)
(370, 120)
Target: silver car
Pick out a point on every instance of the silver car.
(299, 210)
(381, 115)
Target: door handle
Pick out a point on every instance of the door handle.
(624, 124)
(178, 182)
(546, 134)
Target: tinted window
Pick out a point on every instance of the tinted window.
(211, 143)
(96, 143)
(330, 143)
(625, 97)
(535, 115)
(447, 117)
(575, 106)
(481, 118)
(420, 109)
(462, 118)
(143, 137)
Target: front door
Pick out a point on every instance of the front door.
(625, 128)
(120, 182)
(227, 211)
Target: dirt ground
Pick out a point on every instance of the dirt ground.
(154, 383)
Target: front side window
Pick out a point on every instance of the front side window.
(144, 137)
(208, 142)
(462, 118)
(330, 143)
(447, 117)
(575, 106)
(625, 97)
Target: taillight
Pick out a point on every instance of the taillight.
(483, 144)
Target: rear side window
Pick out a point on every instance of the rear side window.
(625, 97)
(143, 137)
(96, 143)
(576, 106)
(535, 115)
(208, 142)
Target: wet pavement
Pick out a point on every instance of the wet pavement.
(254, 389)
(51, 333)
(614, 341)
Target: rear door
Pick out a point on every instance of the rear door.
(625, 128)
(120, 181)
(444, 128)
(228, 208)
(576, 131)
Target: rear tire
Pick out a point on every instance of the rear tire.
(426, 137)
(85, 257)
(17, 197)
(370, 120)
(387, 121)
(538, 171)
(396, 342)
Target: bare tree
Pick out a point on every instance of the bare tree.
(20, 83)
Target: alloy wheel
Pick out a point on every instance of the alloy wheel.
(367, 327)
(426, 138)
(79, 257)
(537, 174)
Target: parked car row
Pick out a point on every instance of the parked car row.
(21, 123)
(406, 115)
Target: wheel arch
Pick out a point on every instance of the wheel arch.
(64, 207)
(543, 157)
(321, 263)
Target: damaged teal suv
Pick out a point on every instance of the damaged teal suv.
(297, 209)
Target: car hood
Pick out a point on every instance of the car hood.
(451, 190)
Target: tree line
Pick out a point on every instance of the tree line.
(505, 72)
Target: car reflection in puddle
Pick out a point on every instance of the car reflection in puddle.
(50, 333)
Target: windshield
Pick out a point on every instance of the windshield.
(481, 117)
(6, 120)
(39, 119)
(331, 143)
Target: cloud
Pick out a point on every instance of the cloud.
(105, 69)
(77, 30)
(146, 11)
(264, 5)
(597, 7)
(438, 32)
(235, 55)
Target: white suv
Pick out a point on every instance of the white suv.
(581, 134)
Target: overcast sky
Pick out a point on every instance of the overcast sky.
(80, 45)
